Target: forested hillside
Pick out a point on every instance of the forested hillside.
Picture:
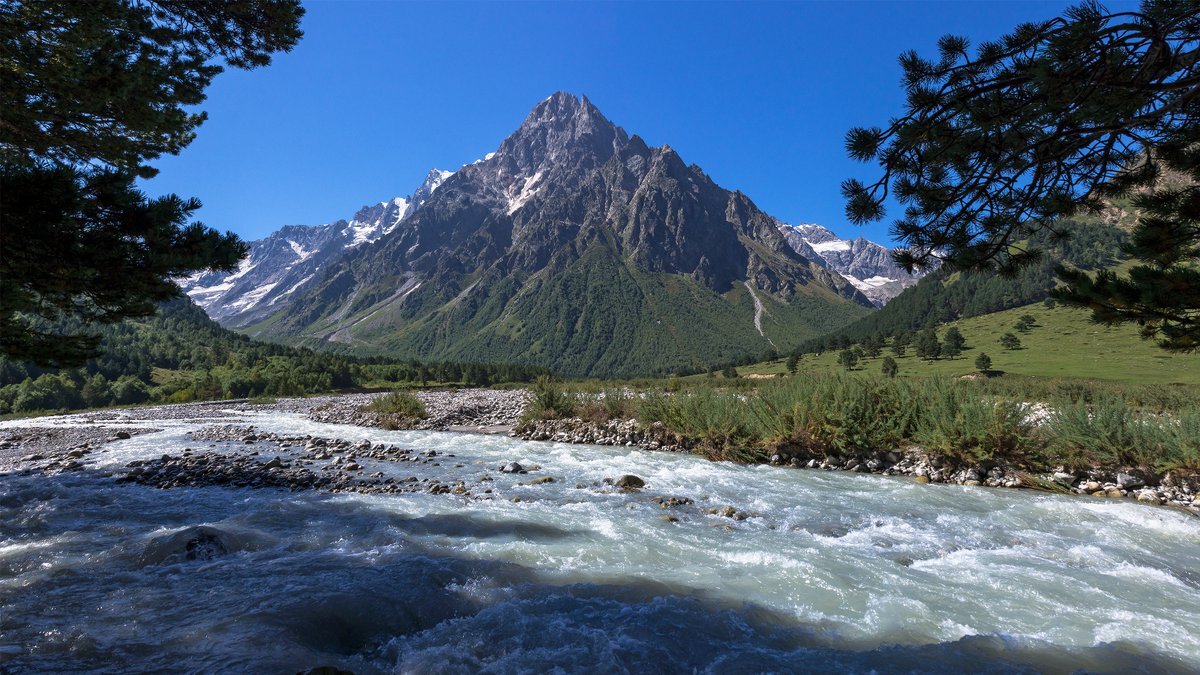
(181, 355)
(946, 296)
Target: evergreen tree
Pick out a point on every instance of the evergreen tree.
(927, 345)
(983, 362)
(848, 358)
(953, 343)
(872, 346)
(793, 362)
(1010, 341)
(92, 92)
(729, 373)
(1057, 117)
(889, 367)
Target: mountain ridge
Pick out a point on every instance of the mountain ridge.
(578, 247)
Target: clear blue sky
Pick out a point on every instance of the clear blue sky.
(377, 93)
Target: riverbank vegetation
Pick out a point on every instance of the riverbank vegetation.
(1076, 425)
(180, 355)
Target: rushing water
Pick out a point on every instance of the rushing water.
(834, 572)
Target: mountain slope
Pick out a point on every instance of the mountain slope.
(944, 296)
(867, 265)
(280, 264)
(577, 247)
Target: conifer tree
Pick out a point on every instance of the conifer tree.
(889, 367)
(927, 345)
(983, 362)
(92, 93)
(848, 358)
(953, 343)
(1056, 118)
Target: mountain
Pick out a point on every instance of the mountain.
(945, 295)
(282, 263)
(580, 248)
(867, 265)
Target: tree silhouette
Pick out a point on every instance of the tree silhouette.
(1055, 118)
(93, 91)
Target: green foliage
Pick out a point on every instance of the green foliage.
(92, 92)
(956, 421)
(1107, 431)
(983, 362)
(946, 295)
(888, 367)
(1010, 341)
(793, 362)
(848, 358)
(69, 238)
(927, 345)
(181, 355)
(398, 404)
(550, 400)
(1058, 117)
(953, 343)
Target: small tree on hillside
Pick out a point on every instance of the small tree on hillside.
(889, 367)
(729, 373)
(848, 358)
(793, 362)
(983, 363)
(1010, 341)
(872, 347)
(927, 345)
(953, 343)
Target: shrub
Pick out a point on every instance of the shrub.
(550, 400)
(399, 404)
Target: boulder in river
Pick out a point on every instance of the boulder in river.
(630, 482)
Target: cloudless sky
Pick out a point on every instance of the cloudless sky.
(759, 95)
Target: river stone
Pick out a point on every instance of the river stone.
(276, 463)
(630, 482)
(1114, 492)
(122, 435)
(921, 479)
(542, 480)
(1127, 482)
(512, 467)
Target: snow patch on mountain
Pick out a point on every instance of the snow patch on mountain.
(288, 259)
(868, 266)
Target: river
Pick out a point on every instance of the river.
(827, 572)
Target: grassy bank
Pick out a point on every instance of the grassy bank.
(969, 422)
(1062, 343)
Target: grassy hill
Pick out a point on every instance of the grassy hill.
(1064, 343)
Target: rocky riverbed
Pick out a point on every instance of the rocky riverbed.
(250, 537)
(500, 411)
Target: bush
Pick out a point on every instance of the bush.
(957, 421)
(550, 400)
(399, 404)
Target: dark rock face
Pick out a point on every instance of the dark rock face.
(574, 234)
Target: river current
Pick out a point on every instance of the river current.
(831, 572)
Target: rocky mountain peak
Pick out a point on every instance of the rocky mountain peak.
(561, 130)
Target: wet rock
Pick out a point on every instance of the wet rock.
(629, 482)
(541, 481)
(1128, 481)
(276, 463)
(121, 435)
(921, 479)
(512, 467)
